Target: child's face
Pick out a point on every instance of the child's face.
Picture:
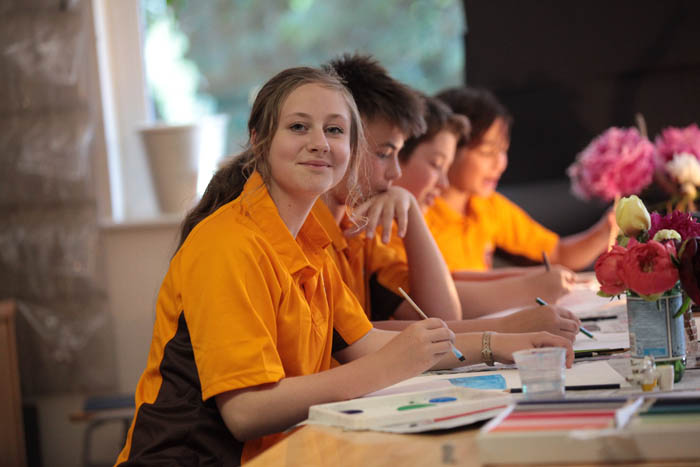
(380, 163)
(310, 150)
(425, 173)
(476, 170)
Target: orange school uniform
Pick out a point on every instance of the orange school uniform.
(242, 304)
(370, 268)
(468, 240)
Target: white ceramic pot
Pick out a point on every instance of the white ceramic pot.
(173, 157)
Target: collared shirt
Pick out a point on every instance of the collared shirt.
(243, 304)
(361, 260)
(467, 241)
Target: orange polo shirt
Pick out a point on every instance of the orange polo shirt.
(361, 260)
(467, 241)
(242, 304)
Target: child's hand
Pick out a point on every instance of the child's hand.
(553, 319)
(609, 223)
(382, 209)
(503, 345)
(553, 284)
(418, 347)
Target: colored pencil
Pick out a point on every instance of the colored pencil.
(455, 350)
(545, 260)
(585, 331)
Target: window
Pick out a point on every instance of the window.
(204, 58)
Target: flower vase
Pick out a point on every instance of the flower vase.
(655, 332)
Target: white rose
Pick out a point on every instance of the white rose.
(685, 168)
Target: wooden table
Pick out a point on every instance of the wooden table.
(315, 445)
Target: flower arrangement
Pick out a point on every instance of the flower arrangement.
(672, 141)
(654, 254)
(678, 165)
(619, 162)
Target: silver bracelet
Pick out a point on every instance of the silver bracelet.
(486, 352)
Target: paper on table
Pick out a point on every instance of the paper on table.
(582, 373)
(582, 301)
(598, 372)
(603, 341)
(586, 303)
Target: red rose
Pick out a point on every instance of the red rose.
(647, 268)
(607, 271)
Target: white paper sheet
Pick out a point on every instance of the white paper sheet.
(603, 341)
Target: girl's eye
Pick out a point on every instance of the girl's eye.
(384, 155)
(297, 127)
(335, 130)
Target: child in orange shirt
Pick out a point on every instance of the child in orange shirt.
(252, 306)
(471, 219)
(390, 112)
(425, 161)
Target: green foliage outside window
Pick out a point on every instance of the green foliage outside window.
(229, 48)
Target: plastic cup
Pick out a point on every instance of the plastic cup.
(542, 372)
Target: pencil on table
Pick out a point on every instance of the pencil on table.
(455, 350)
(583, 330)
(545, 260)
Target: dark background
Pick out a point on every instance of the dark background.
(569, 70)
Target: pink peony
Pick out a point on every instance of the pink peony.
(607, 271)
(674, 141)
(619, 162)
(647, 268)
(681, 222)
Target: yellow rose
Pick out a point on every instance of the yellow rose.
(631, 215)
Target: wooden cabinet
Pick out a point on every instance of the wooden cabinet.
(12, 451)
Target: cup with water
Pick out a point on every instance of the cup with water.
(542, 372)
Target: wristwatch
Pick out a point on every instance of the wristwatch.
(486, 353)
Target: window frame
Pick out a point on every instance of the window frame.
(125, 108)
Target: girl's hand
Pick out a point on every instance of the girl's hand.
(418, 347)
(503, 345)
(382, 209)
(553, 284)
(553, 319)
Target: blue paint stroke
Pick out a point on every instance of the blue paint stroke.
(480, 382)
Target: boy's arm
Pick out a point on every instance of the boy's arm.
(553, 319)
(482, 298)
(580, 250)
(431, 285)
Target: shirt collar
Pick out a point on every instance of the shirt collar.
(445, 211)
(308, 248)
(325, 217)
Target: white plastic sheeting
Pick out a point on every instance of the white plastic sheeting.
(49, 240)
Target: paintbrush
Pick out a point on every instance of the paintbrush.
(582, 329)
(455, 350)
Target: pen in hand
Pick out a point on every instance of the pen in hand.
(582, 329)
(455, 350)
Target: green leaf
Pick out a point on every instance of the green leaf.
(684, 307)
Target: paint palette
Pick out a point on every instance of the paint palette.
(412, 412)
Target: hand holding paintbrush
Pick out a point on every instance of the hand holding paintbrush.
(455, 350)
